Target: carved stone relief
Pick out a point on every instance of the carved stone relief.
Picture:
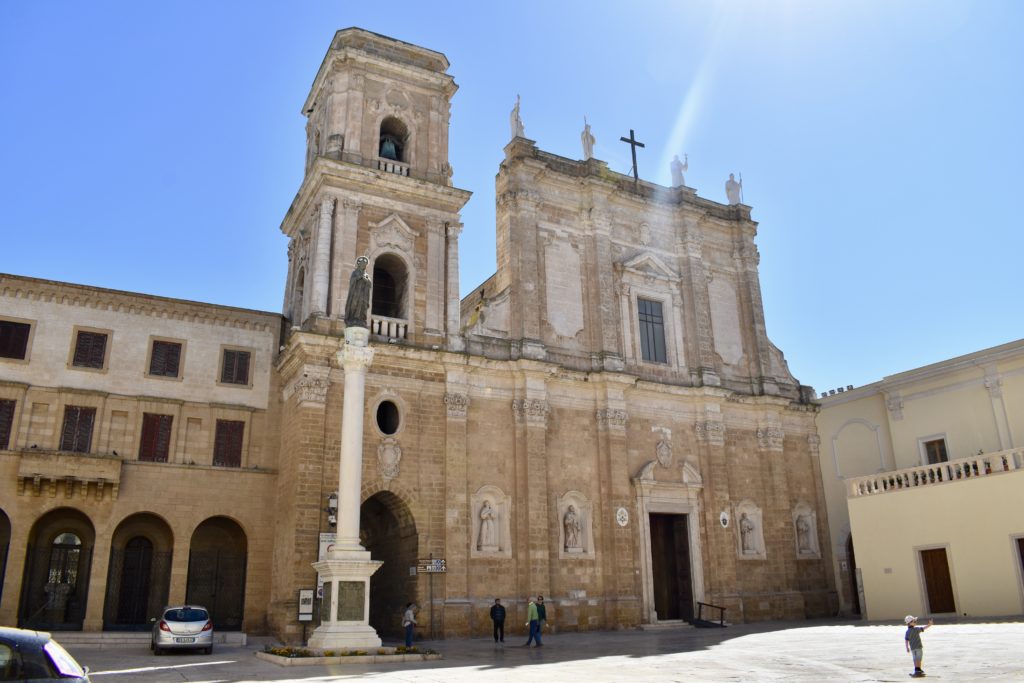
(457, 405)
(575, 528)
(805, 530)
(389, 456)
(490, 511)
(749, 531)
(310, 385)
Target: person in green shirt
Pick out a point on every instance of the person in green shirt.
(533, 621)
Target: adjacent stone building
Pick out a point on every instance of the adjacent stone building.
(603, 421)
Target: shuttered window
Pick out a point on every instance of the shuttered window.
(236, 367)
(90, 350)
(155, 443)
(227, 445)
(77, 432)
(14, 339)
(165, 359)
(6, 420)
(652, 331)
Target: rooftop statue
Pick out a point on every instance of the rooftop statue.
(678, 168)
(734, 190)
(588, 140)
(515, 122)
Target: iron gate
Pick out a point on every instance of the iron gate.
(138, 583)
(55, 587)
(216, 580)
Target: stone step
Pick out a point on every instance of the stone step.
(674, 625)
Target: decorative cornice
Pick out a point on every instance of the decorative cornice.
(534, 411)
(457, 405)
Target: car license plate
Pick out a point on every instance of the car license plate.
(184, 640)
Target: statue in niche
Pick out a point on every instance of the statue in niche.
(678, 168)
(734, 190)
(516, 123)
(572, 525)
(747, 534)
(588, 140)
(488, 527)
(803, 534)
(358, 300)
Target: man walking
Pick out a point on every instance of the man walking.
(542, 613)
(409, 621)
(498, 617)
(533, 621)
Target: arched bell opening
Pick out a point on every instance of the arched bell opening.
(390, 282)
(393, 140)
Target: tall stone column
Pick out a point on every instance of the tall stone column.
(322, 258)
(452, 305)
(345, 611)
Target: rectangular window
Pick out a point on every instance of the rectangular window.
(77, 432)
(155, 443)
(90, 350)
(935, 451)
(227, 445)
(652, 331)
(165, 359)
(235, 368)
(6, 421)
(14, 339)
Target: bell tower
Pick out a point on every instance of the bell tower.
(377, 182)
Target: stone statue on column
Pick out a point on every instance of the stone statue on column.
(358, 300)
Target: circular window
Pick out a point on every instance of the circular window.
(387, 417)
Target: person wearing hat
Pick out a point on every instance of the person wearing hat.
(912, 639)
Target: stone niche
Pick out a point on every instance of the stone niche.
(805, 532)
(575, 526)
(749, 523)
(490, 511)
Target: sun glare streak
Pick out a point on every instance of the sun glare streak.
(157, 668)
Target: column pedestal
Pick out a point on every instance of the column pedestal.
(345, 610)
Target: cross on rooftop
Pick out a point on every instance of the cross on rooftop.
(633, 144)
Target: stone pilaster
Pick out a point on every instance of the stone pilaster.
(698, 285)
(452, 309)
(531, 416)
(458, 523)
(322, 257)
(437, 285)
(344, 256)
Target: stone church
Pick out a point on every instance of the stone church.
(603, 421)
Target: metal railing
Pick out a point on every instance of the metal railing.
(720, 621)
(981, 465)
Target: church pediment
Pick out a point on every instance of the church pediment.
(647, 265)
(393, 232)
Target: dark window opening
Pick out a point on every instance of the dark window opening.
(165, 359)
(155, 443)
(14, 339)
(6, 422)
(652, 331)
(236, 367)
(388, 418)
(936, 451)
(227, 445)
(389, 284)
(90, 350)
(76, 435)
(393, 137)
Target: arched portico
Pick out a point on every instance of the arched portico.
(217, 563)
(139, 573)
(55, 586)
(388, 531)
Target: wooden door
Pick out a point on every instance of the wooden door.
(938, 583)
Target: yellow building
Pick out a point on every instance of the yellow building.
(923, 481)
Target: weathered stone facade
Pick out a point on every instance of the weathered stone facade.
(590, 424)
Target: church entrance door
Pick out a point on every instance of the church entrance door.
(388, 531)
(670, 564)
(216, 571)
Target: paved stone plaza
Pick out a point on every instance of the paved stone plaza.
(776, 651)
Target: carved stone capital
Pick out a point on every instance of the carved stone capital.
(612, 418)
(895, 405)
(453, 230)
(814, 444)
(457, 405)
(311, 385)
(711, 432)
(354, 357)
(770, 437)
(531, 410)
(994, 384)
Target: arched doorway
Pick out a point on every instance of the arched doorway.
(216, 571)
(56, 580)
(139, 576)
(5, 543)
(388, 531)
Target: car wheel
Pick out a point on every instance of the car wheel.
(157, 651)
(152, 645)
(208, 650)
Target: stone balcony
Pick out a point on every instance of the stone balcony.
(396, 167)
(43, 472)
(389, 328)
(949, 472)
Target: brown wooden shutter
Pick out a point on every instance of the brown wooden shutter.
(155, 442)
(76, 434)
(165, 359)
(14, 339)
(236, 367)
(227, 447)
(6, 421)
(90, 350)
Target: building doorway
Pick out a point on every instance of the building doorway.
(387, 530)
(5, 542)
(671, 569)
(139, 574)
(216, 571)
(852, 585)
(937, 581)
(56, 580)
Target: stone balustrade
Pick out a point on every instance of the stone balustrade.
(396, 167)
(981, 465)
(392, 328)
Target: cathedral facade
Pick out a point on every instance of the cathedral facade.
(604, 421)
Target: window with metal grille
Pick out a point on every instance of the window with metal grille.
(155, 443)
(14, 339)
(165, 359)
(652, 331)
(6, 420)
(90, 350)
(227, 444)
(76, 434)
(236, 367)
(935, 451)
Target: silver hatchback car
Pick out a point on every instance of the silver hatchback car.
(184, 627)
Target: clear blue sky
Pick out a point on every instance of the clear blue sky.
(155, 147)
